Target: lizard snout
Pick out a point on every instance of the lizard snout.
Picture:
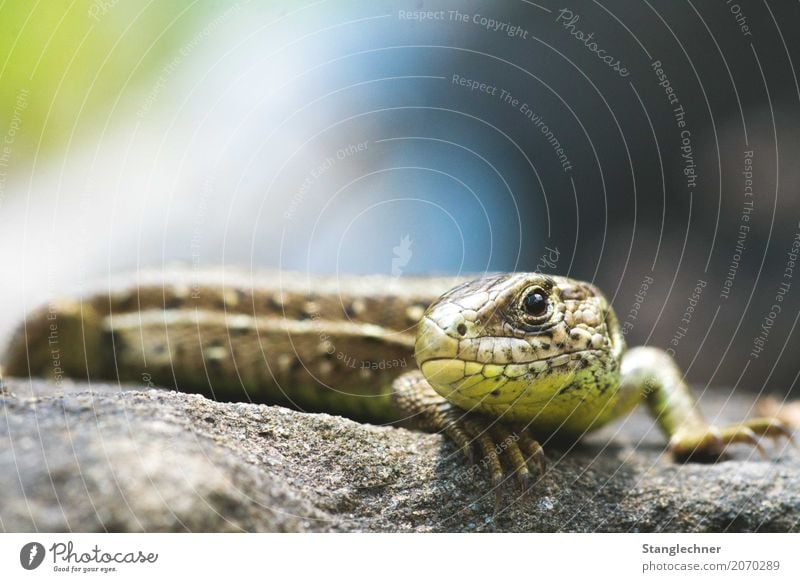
(435, 341)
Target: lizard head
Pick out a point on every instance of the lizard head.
(511, 345)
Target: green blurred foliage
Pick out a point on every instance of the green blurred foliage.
(65, 64)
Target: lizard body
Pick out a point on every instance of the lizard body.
(320, 343)
(519, 354)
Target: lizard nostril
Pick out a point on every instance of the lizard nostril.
(461, 329)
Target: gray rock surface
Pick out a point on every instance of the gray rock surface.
(80, 458)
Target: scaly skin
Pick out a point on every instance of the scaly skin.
(327, 344)
(503, 360)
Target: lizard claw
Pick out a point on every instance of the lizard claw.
(772, 428)
(712, 440)
(745, 434)
(535, 453)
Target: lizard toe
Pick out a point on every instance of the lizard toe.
(508, 442)
(535, 453)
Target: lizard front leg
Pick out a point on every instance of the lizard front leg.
(652, 373)
(427, 410)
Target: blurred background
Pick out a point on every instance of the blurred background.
(648, 147)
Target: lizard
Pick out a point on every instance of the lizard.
(502, 360)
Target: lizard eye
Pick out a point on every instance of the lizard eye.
(535, 303)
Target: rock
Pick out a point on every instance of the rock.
(99, 458)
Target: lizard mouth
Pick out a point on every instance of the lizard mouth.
(434, 344)
(457, 373)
